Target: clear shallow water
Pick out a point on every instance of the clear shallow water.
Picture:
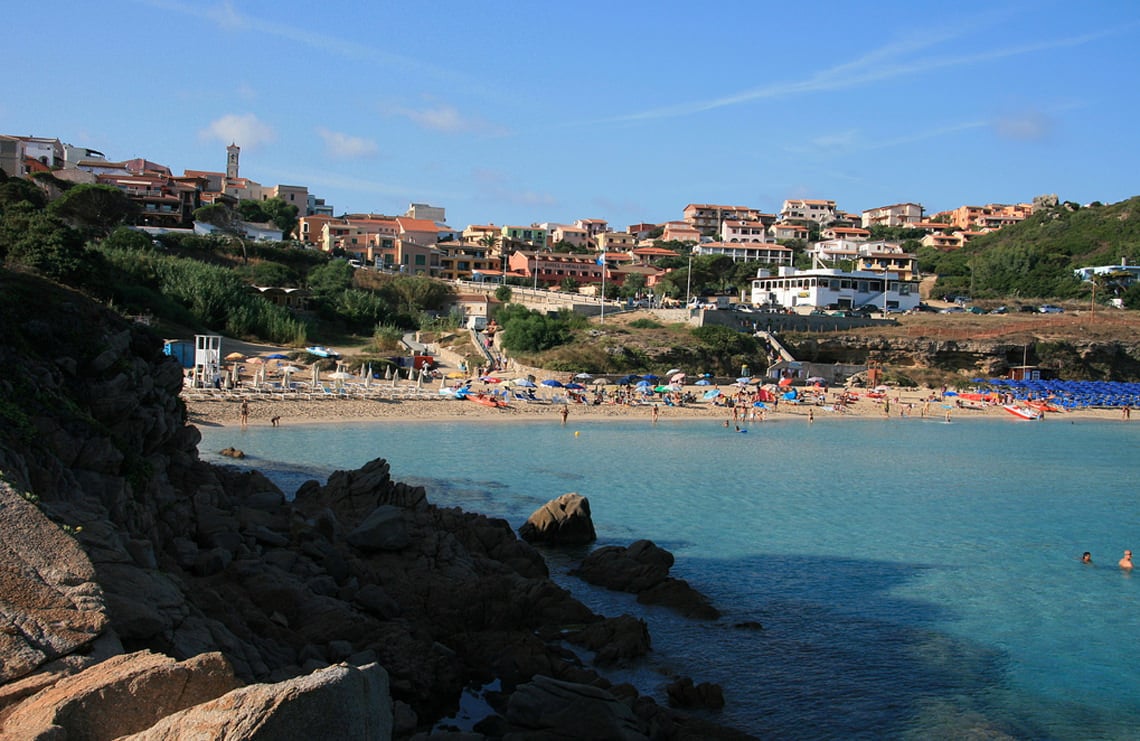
(915, 579)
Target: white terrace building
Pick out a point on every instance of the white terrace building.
(769, 252)
(804, 290)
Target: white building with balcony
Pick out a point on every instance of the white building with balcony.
(804, 290)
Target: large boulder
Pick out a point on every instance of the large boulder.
(51, 602)
(335, 702)
(552, 709)
(643, 569)
(562, 521)
(383, 530)
(119, 696)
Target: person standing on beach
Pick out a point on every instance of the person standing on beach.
(655, 414)
(244, 413)
(1126, 562)
(565, 413)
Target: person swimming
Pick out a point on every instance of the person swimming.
(1126, 561)
(1086, 557)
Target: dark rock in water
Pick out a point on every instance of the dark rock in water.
(562, 521)
(232, 453)
(749, 625)
(568, 710)
(684, 694)
(643, 569)
(614, 639)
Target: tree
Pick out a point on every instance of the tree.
(330, 279)
(96, 209)
(226, 220)
(570, 285)
(633, 286)
(503, 294)
(37, 240)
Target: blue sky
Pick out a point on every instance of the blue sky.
(517, 113)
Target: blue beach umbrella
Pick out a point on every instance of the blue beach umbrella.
(704, 382)
(711, 394)
(552, 383)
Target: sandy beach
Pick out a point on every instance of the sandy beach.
(406, 405)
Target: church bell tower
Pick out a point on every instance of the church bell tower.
(233, 152)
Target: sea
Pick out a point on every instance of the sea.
(915, 578)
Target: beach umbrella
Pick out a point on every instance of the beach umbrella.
(704, 382)
(744, 379)
(490, 379)
(552, 383)
(643, 384)
(277, 356)
(650, 377)
(785, 382)
(672, 371)
(574, 386)
(524, 382)
(255, 360)
(583, 376)
(711, 394)
(457, 374)
(235, 356)
(664, 389)
(600, 381)
(387, 373)
(677, 378)
(316, 368)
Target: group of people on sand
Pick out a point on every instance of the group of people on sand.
(1125, 562)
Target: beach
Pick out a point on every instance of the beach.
(405, 403)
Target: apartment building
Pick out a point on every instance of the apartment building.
(767, 252)
(897, 214)
(853, 234)
(743, 231)
(680, 231)
(615, 241)
(806, 209)
(786, 231)
(535, 236)
(708, 217)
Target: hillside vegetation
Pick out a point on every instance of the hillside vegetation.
(1036, 258)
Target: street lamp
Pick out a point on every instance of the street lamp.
(689, 278)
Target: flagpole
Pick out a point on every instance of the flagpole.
(602, 262)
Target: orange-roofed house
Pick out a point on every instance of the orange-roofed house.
(808, 209)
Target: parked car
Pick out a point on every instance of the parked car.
(953, 310)
(976, 310)
(1050, 309)
(999, 310)
(1027, 309)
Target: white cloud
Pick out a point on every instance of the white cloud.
(343, 146)
(1024, 126)
(447, 118)
(245, 130)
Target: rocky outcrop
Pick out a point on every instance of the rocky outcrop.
(562, 521)
(552, 709)
(643, 569)
(51, 604)
(683, 693)
(337, 701)
(120, 696)
(142, 585)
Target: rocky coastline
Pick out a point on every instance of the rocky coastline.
(146, 593)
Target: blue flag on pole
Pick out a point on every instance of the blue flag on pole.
(602, 259)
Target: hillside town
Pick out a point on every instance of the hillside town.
(587, 254)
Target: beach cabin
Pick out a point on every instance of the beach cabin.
(1025, 373)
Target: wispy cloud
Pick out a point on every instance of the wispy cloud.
(1024, 126)
(886, 63)
(344, 146)
(445, 118)
(226, 16)
(245, 130)
(493, 187)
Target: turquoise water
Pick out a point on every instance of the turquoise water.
(915, 579)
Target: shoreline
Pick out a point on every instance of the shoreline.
(294, 411)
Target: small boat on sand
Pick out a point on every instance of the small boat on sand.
(1022, 412)
(322, 352)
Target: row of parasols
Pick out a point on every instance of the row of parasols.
(1067, 394)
